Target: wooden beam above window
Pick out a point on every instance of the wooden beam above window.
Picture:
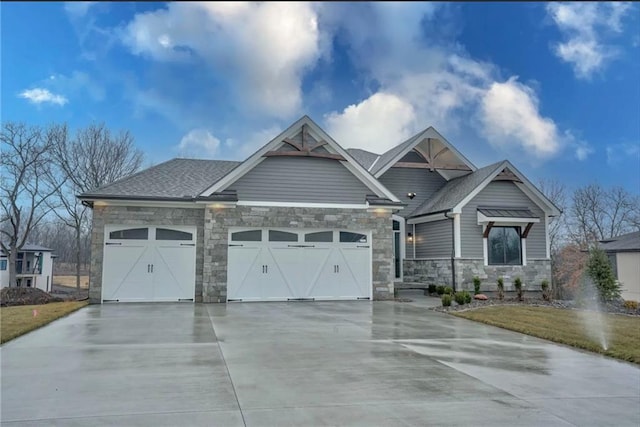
(486, 230)
(525, 233)
(303, 154)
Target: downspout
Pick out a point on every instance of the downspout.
(453, 251)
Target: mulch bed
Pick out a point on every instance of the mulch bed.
(25, 296)
(615, 307)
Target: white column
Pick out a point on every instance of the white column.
(523, 243)
(457, 249)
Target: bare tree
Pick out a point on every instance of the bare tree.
(25, 186)
(598, 213)
(94, 157)
(556, 192)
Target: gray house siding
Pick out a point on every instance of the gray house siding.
(300, 179)
(401, 181)
(133, 215)
(500, 193)
(434, 239)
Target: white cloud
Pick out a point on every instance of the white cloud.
(376, 124)
(619, 153)
(509, 115)
(585, 26)
(242, 148)
(199, 143)
(262, 49)
(78, 9)
(41, 96)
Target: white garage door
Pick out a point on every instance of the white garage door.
(284, 264)
(155, 263)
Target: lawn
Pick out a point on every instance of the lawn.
(18, 320)
(565, 327)
(70, 281)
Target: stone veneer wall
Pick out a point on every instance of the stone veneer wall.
(133, 215)
(217, 222)
(531, 274)
(436, 271)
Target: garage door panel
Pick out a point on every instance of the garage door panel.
(298, 264)
(149, 263)
(174, 273)
(126, 273)
(358, 265)
(243, 272)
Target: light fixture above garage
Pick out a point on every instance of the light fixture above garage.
(411, 195)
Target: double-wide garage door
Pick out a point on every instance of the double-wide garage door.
(286, 264)
(149, 263)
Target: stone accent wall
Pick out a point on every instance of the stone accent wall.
(436, 271)
(532, 274)
(133, 215)
(217, 222)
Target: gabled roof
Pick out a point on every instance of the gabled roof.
(455, 191)
(389, 158)
(364, 157)
(177, 179)
(629, 242)
(459, 191)
(31, 248)
(349, 162)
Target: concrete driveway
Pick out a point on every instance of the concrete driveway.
(263, 364)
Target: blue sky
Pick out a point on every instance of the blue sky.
(553, 87)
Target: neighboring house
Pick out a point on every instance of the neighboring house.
(624, 255)
(303, 218)
(34, 268)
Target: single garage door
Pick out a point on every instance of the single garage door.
(285, 264)
(149, 263)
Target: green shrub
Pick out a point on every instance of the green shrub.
(459, 297)
(440, 289)
(546, 292)
(432, 289)
(448, 290)
(518, 285)
(631, 304)
(599, 269)
(476, 285)
(500, 283)
(446, 300)
(467, 297)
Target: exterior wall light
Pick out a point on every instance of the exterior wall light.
(411, 195)
(410, 237)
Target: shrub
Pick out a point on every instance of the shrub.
(448, 290)
(476, 285)
(631, 304)
(459, 297)
(599, 269)
(546, 292)
(467, 297)
(432, 289)
(518, 285)
(500, 288)
(446, 300)
(440, 289)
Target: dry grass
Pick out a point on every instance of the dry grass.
(18, 320)
(565, 327)
(71, 281)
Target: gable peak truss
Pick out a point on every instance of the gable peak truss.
(307, 147)
(429, 158)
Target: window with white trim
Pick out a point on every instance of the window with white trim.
(504, 246)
